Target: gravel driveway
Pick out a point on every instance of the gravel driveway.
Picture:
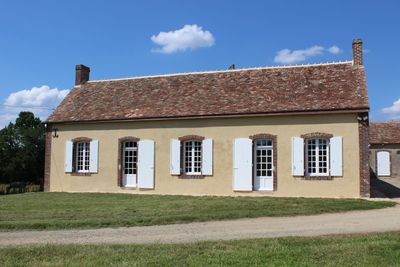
(380, 220)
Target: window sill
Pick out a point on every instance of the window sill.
(186, 176)
(318, 178)
(81, 174)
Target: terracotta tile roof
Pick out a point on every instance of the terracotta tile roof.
(384, 132)
(319, 87)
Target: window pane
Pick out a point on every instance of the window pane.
(82, 156)
(317, 156)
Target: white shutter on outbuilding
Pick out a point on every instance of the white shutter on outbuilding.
(383, 163)
(336, 156)
(243, 164)
(175, 157)
(69, 146)
(297, 156)
(207, 164)
(94, 156)
(145, 168)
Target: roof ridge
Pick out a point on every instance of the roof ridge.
(265, 90)
(387, 122)
(225, 71)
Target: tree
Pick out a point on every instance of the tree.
(22, 150)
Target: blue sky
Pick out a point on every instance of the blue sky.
(41, 41)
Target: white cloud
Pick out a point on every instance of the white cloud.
(286, 56)
(42, 96)
(334, 50)
(39, 100)
(393, 110)
(188, 37)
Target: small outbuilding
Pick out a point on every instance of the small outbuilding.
(385, 149)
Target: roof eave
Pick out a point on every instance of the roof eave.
(280, 113)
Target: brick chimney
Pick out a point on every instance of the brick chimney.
(81, 74)
(357, 52)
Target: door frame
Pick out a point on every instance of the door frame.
(255, 177)
(120, 168)
(274, 140)
(133, 176)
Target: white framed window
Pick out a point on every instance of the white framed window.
(317, 156)
(192, 156)
(82, 156)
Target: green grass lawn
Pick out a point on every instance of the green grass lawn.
(349, 250)
(94, 210)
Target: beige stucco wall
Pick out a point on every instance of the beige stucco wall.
(223, 132)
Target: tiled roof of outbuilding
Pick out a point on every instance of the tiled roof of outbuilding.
(384, 132)
(309, 88)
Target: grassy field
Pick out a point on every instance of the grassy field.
(351, 250)
(94, 210)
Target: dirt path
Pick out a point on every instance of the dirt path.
(387, 219)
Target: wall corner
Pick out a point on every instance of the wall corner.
(363, 131)
(47, 159)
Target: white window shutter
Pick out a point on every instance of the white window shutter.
(145, 169)
(383, 163)
(207, 164)
(243, 164)
(175, 157)
(69, 146)
(94, 156)
(336, 156)
(297, 156)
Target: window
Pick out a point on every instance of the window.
(82, 156)
(192, 157)
(317, 151)
(317, 156)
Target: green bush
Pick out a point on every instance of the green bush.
(33, 188)
(3, 189)
(9, 189)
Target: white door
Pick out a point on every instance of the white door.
(383, 163)
(263, 165)
(129, 164)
